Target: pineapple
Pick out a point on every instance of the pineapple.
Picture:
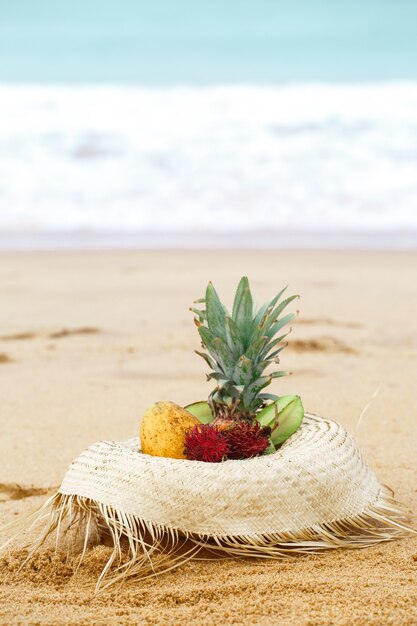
(239, 348)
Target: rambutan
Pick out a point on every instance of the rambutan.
(212, 444)
(246, 439)
(206, 442)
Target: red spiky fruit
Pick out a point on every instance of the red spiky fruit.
(246, 439)
(206, 442)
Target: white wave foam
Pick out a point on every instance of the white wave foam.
(303, 156)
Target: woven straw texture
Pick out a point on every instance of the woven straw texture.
(317, 476)
(315, 493)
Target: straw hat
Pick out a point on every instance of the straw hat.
(316, 492)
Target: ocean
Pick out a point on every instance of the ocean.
(180, 122)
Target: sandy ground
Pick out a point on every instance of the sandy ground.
(88, 340)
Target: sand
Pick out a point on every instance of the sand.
(88, 340)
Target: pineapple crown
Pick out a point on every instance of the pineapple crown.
(240, 347)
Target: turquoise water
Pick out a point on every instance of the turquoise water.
(179, 116)
(194, 42)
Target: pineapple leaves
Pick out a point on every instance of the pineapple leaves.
(210, 362)
(218, 349)
(215, 312)
(268, 306)
(243, 373)
(242, 287)
(279, 374)
(268, 396)
(243, 309)
(256, 348)
(233, 337)
(252, 390)
(240, 347)
(280, 323)
(201, 315)
(278, 310)
(265, 354)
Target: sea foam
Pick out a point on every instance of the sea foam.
(221, 159)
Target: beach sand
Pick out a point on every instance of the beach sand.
(89, 339)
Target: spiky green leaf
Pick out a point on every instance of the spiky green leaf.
(272, 330)
(243, 371)
(253, 389)
(273, 355)
(270, 345)
(215, 312)
(268, 396)
(233, 337)
(202, 316)
(218, 349)
(268, 305)
(279, 374)
(256, 348)
(242, 310)
(241, 347)
(210, 362)
(276, 312)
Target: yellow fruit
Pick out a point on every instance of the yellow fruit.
(163, 427)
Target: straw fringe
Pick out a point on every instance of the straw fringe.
(146, 549)
(316, 493)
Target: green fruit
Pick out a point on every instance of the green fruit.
(201, 411)
(288, 411)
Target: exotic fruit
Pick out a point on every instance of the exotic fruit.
(238, 440)
(219, 490)
(239, 420)
(163, 428)
(240, 347)
(246, 440)
(206, 442)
